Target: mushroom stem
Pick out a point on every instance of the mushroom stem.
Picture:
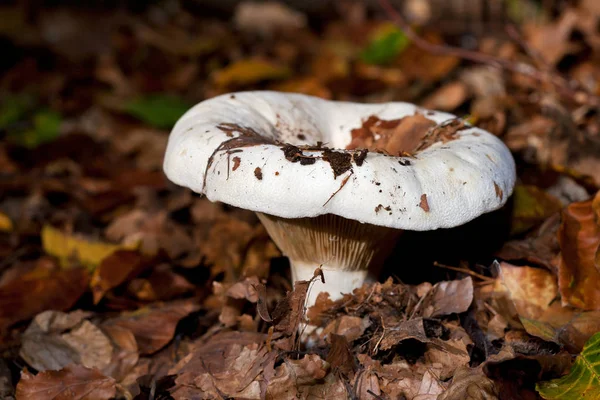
(344, 249)
(337, 281)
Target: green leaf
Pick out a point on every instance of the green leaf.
(160, 111)
(45, 128)
(13, 109)
(385, 46)
(583, 382)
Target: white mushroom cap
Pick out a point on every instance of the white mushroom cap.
(231, 148)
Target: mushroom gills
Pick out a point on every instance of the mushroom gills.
(345, 250)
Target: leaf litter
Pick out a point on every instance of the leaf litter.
(116, 284)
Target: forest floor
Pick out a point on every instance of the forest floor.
(115, 283)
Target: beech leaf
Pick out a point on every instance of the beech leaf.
(73, 382)
(583, 382)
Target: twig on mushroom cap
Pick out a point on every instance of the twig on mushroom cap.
(568, 88)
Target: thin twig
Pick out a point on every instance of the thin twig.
(560, 83)
(465, 271)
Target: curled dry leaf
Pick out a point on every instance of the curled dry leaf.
(40, 289)
(154, 327)
(73, 382)
(446, 298)
(55, 339)
(430, 388)
(579, 264)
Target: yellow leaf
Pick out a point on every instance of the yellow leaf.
(245, 72)
(68, 248)
(6, 224)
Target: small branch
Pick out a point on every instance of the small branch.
(560, 83)
(484, 278)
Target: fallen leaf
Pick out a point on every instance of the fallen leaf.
(470, 384)
(430, 388)
(539, 247)
(339, 357)
(41, 289)
(69, 247)
(125, 354)
(348, 326)
(447, 297)
(551, 40)
(150, 232)
(6, 224)
(584, 379)
(249, 71)
(114, 270)
(154, 327)
(386, 43)
(162, 284)
(307, 85)
(531, 206)
(55, 340)
(533, 294)
(305, 378)
(579, 263)
(448, 97)
(267, 18)
(73, 382)
(227, 363)
(160, 111)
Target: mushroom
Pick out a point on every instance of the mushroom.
(333, 182)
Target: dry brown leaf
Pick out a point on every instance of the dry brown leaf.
(125, 355)
(551, 41)
(430, 388)
(339, 357)
(448, 97)
(579, 264)
(426, 66)
(154, 327)
(447, 297)
(308, 377)
(245, 289)
(539, 247)
(162, 284)
(115, 269)
(267, 18)
(348, 326)
(533, 297)
(41, 289)
(228, 363)
(54, 340)
(151, 232)
(73, 382)
(469, 384)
